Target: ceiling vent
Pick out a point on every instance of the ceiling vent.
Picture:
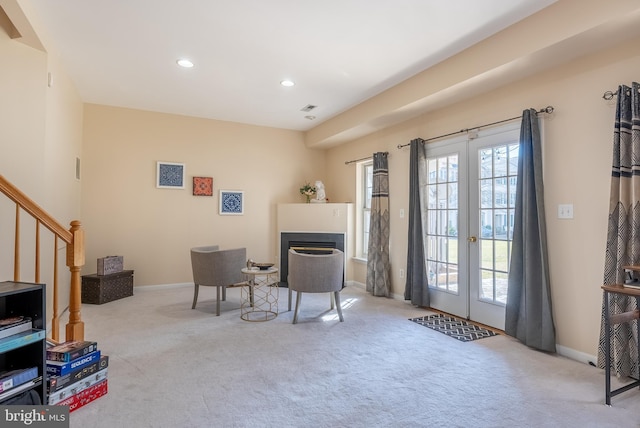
(308, 107)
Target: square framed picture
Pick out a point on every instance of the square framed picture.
(231, 202)
(170, 175)
(202, 186)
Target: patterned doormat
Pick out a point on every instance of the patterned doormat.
(454, 327)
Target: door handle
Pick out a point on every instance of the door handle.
(472, 239)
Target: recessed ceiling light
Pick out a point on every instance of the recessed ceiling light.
(184, 63)
(287, 83)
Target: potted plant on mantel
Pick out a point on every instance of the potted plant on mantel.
(307, 191)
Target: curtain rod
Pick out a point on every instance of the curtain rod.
(361, 159)
(548, 110)
(610, 94)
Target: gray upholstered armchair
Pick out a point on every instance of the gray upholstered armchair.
(213, 267)
(316, 273)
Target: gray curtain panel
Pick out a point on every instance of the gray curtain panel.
(623, 234)
(528, 315)
(416, 285)
(378, 282)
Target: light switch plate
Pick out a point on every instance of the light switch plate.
(565, 211)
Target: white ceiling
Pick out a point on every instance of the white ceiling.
(338, 52)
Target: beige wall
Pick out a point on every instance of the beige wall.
(577, 156)
(40, 137)
(125, 214)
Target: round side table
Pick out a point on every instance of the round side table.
(259, 297)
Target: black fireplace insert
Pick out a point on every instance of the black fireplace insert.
(309, 243)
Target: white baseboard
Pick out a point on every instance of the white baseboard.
(162, 286)
(576, 355)
(364, 287)
(355, 284)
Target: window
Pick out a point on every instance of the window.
(364, 206)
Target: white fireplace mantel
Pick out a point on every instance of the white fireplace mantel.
(337, 218)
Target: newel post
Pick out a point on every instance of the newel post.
(75, 260)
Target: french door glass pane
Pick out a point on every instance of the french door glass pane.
(441, 253)
(486, 223)
(514, 152)
(501, 255)
(500, 192)
(486, 254)
(486, 160)
(443, 223)
(497, 186)
(441, 219)
(431, 248)
(501, 287)
(453, 223)
(486, 193)
(432, 171)
(486, 288)
(433, 196)
(453, 168)
(452, 278)
(452, 199)
(431, 222)
(500, 161)
(442, 169)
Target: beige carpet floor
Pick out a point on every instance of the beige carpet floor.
(171, 366)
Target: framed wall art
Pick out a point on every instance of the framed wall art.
(170, 175)
(202, 186)
(231, 202)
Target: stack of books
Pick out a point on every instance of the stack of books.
(16, 332)
(76, 374)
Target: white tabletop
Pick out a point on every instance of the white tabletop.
(258, 271)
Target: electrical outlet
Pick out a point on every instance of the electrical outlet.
(401, 273)
(401, 212)
(565, 211)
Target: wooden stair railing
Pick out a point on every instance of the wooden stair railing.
(74, 238)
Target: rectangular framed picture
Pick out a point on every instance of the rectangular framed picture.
(202, 186)
(170, 175)
(231, 202)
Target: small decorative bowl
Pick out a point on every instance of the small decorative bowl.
(263, 266)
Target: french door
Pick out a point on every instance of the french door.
(469, 212)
